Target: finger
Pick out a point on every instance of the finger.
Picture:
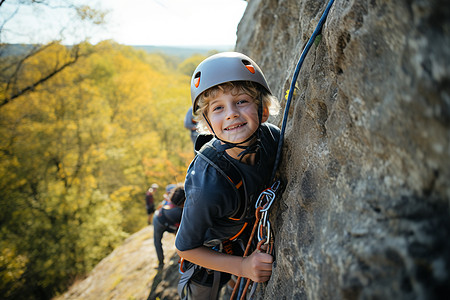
(266, 268)
(262, 279)
(265, 273)
(265, 258)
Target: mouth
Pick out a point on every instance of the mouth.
(235, 126)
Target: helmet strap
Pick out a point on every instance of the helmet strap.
(253, 147)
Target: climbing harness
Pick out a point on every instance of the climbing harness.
(208, 150)
(263, 230)
(267, 197)
(255, 138)
(230, 63)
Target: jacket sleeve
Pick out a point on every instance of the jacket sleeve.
(188, 121)
(203, 206)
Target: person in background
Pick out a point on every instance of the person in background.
(191, 125)
(166, 196)
(167, 219)
(149, 202)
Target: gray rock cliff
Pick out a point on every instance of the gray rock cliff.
(366, 160)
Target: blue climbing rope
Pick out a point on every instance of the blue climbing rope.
(294, 80)
(267, 197)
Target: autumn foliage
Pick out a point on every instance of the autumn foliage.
(77, 154)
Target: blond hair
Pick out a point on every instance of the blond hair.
(254, 90)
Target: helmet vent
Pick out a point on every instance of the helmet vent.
(197, 79)
(249, 66)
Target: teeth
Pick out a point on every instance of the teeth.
(230, 128)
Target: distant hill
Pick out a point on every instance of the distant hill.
(15, 49)
(183, 52)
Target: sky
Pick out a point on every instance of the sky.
(133, 22)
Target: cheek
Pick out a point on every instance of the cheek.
(252, 111)
(215, 121)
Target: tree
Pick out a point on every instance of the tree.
(76, 156)
(12, 82)
(188, 66)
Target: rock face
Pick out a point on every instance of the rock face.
(366, 161)
(129, 272)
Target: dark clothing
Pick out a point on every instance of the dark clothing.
(167, 218)
(170, 215)
(210, 201)
(191, 125)
(149, 205)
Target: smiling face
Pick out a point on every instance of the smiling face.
(234, 116)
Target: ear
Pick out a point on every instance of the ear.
(265, 115)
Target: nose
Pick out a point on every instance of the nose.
(232, 112)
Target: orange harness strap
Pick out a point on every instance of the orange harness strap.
(247, 248)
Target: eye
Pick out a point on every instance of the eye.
(217, 108)
(242, 101)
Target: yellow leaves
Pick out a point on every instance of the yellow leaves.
(97, 155)
(79, 152)
(294, 94)
(87, 13)
(13, 265)
(187, 67)
(125, 193)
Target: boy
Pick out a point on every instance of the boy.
(231, 100)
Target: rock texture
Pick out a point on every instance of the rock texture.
(366, 161)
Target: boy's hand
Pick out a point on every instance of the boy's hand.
(258, 266)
